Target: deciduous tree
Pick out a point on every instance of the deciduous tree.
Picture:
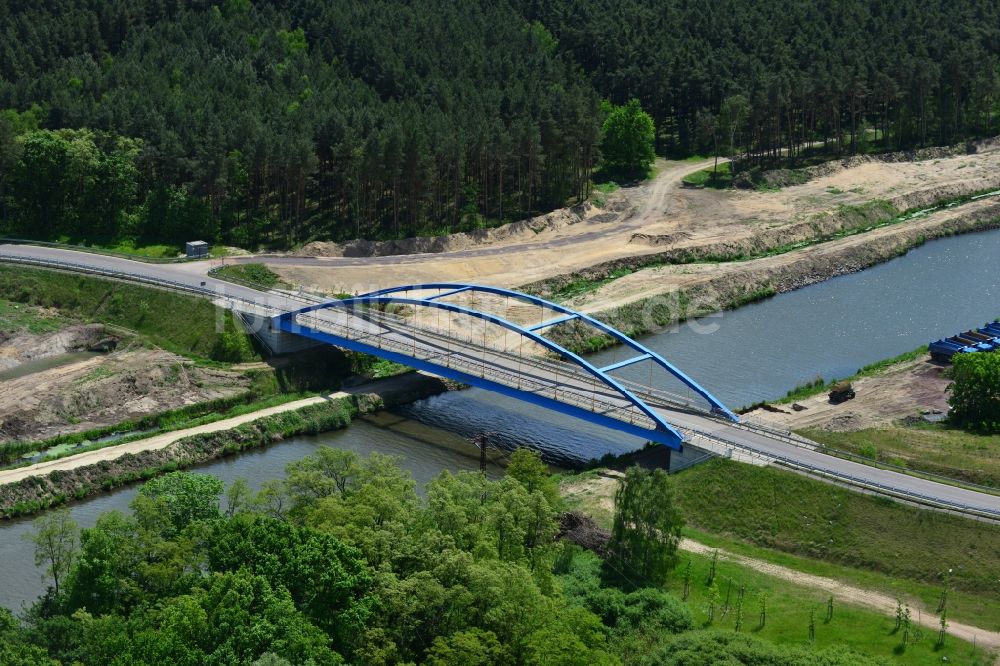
(627, 146)
(180, 498)
(646, 531)
(56, 540)
(975, 393)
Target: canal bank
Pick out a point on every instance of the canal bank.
(754, 353)
(646, 301)
(421, 450)
(43, 485)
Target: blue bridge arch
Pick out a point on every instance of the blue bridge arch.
(661, 432)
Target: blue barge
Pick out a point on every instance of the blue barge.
(985, 339)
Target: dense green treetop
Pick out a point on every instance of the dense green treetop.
(628, 140)
(646, 529)
(179, 499)
(281, 121)
(975, 393)
(341, 561)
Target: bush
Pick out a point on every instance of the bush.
(975, 394)
(232, 347)
(258, 275)
(646, 610)
(708, 648)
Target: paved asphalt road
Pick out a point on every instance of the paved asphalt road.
(190, 274)
(573, 387)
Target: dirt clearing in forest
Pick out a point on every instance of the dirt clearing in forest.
(646, 219)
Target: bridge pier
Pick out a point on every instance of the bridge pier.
(688, 456)
(259, 325)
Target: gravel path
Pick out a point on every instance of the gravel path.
(845, 593)
(152, 443)
(600, 491)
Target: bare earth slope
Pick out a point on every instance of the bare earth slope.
(107, 389)
(824, 259)
(648, 219)
(904, 390)
(77, 392)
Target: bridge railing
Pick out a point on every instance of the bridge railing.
(459, 360)
(582, 396)
(543, 363)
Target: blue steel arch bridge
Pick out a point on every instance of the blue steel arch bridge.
(495, 339)
(434, 327)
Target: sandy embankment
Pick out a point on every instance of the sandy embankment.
(650, 219)
(795, 269)
(99, 390)
(393, 390)
(902, 391)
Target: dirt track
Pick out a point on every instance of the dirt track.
(902, 391)
(150, 443)
(649, 219)
(394, 390)
(598, 493)
(571, 243)
(843, 593)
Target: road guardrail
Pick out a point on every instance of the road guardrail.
(840, 477)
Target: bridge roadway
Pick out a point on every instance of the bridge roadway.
(548, 377)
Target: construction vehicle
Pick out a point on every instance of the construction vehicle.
(841, 392)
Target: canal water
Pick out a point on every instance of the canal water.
(423, 450)
(760, 351)
(755, 353)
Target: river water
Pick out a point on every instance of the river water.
(755, 353)
(418, 446)
(760, 351)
